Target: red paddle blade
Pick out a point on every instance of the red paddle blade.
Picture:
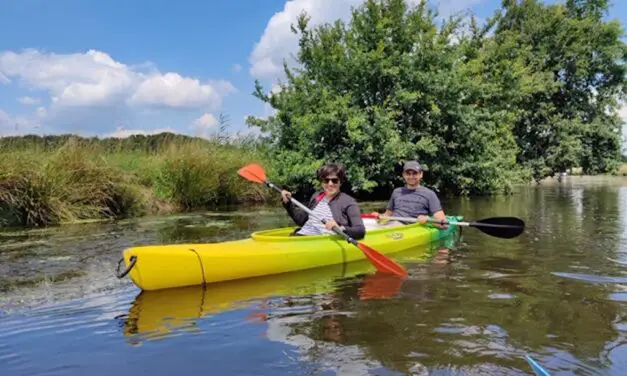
(253, 172)
(382, 263)
(368, 215)
(380, 286)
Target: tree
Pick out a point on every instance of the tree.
(530, 93)
(388, 86)
(576, 61)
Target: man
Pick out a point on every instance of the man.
(414, 200)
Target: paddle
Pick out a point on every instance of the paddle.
(256, 174)
(380, 286)
(500, 227)
(537, 368)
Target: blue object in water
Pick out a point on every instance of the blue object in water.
(536, 367)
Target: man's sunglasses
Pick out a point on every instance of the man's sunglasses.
(332, 180)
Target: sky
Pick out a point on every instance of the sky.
(115, 68)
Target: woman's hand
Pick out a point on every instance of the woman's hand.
(286, 195)
(330, 224)
(422, 219)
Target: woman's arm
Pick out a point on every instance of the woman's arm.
(356, 228)
(298, 215)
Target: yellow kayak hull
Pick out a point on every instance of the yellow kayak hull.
(158, 314)
(265, 252)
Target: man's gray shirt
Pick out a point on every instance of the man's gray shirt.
(407, 202)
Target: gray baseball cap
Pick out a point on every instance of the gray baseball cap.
(412, 165)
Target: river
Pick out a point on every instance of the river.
(557, 292)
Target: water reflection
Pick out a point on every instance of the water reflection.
(557, 292)
(157, 314)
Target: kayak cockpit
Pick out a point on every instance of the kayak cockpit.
(283, 234)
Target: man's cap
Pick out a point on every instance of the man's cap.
(412, 165)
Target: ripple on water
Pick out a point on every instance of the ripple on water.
(501, 296)
(461, 318)
(592, 278)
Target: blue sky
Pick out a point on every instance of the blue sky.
(115, 68)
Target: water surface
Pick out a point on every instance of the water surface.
(558, 292)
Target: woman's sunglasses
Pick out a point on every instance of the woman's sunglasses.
(332, 180)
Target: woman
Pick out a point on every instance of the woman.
(338, 208)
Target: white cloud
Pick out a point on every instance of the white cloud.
(204, 124)
(41, 112)
(278, 42)
(88, 79)
(173, 90)
(28, 100)
(275, 89)
(95, 79)
(237, 67)
(120, 132)
(206, 121)
(623, 111)
(93, 89)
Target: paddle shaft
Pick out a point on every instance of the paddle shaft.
(466, 224)
(336, 229)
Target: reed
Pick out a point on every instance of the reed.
(46, 182)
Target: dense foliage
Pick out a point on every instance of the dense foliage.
(55, 179)
(530, 93)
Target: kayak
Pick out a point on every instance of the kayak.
(267, 252)
(154, 314)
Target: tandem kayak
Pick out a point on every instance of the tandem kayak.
(268, 252)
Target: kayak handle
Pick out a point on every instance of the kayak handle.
(128, 269)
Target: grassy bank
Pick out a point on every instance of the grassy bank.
(67, 179)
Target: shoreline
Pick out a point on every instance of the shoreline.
(59, 181)
(268, 200)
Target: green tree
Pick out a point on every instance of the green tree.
(576, 61)
(388, 86)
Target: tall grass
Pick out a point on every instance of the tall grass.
(45, 183)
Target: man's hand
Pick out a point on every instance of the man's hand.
(440, 217)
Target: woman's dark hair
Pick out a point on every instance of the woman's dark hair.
(332, 168)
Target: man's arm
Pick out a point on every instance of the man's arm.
(440, 216)
(388, 210)
(435, 208)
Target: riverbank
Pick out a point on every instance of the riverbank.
(67, 179)
(83, 179)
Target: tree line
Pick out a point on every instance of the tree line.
(530, 92)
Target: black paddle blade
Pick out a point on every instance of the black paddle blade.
(501, 227)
